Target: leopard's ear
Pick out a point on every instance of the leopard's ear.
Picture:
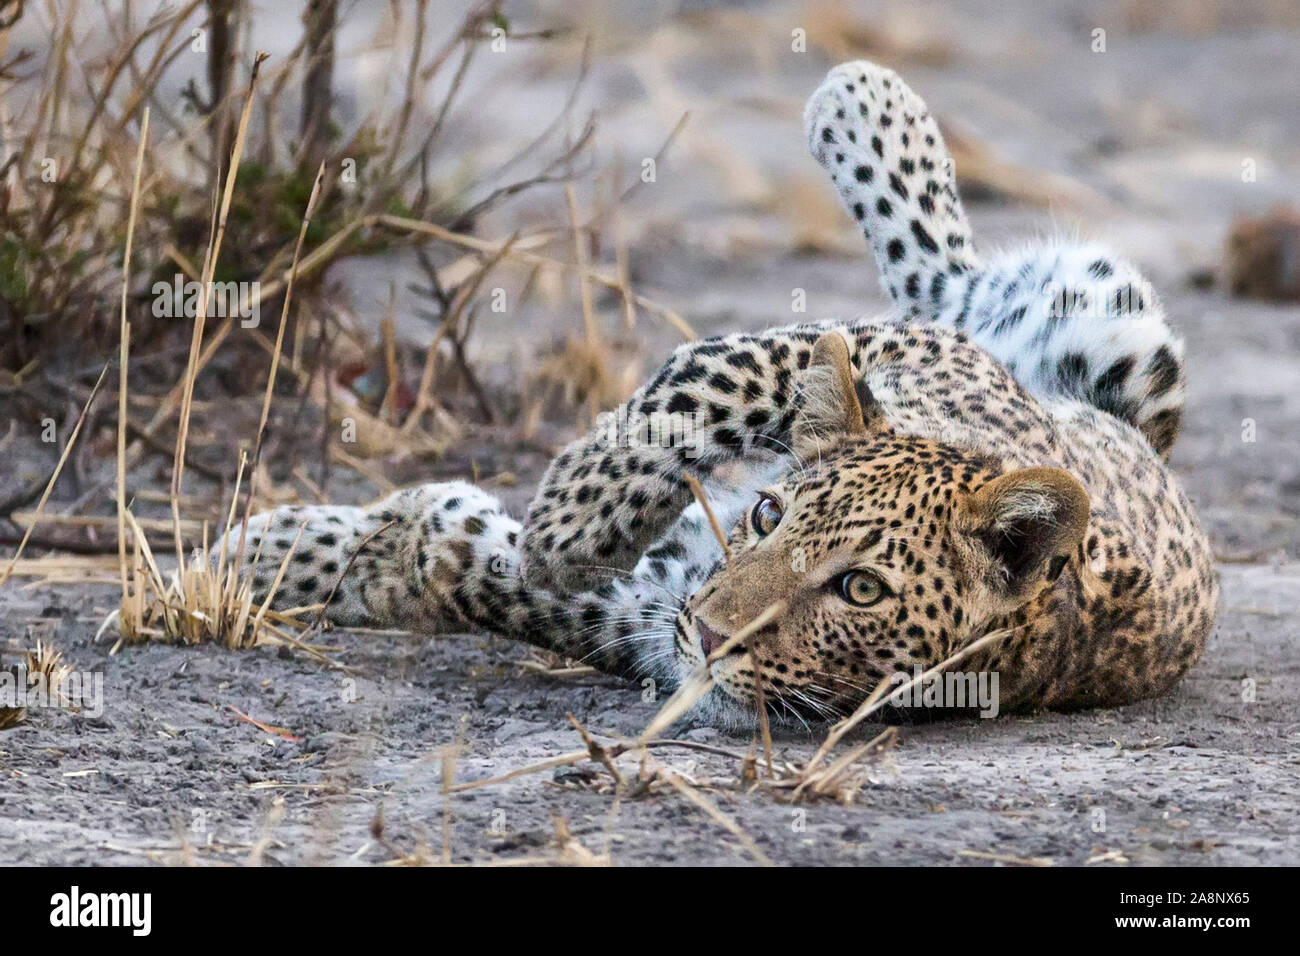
(1023, 526)
(836, 403)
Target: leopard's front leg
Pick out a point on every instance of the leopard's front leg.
(612, 492)
(445, 556)
(399, 563)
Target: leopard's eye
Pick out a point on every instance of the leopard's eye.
(766, 516)
(861, 588)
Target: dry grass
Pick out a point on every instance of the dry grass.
(42, 666)
(176, 176)
(199, 602)
(68, 570)
(550, 664)
(211, 601)
(169, 208)
(823, 777)
(59, 241)
(47, 663)
(11, 717)
(60, 227)
(840, 780)
(49, 486)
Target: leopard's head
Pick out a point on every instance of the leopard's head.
(885, 551)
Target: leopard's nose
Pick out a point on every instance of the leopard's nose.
(710, 640)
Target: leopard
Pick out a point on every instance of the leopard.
(981, 471)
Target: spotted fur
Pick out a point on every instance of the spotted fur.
(991, 457)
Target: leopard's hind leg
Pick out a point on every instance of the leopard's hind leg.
(886, 156)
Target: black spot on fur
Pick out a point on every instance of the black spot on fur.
(722, 383)
(743, 360)
(1072, 372)
(1162, 429)
(1113, 380)
(923, 238)
(1009, 321)
(682, 402)
(937, 285)
(1163, 370)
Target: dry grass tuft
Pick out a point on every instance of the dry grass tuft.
(46, 662)
(200, 601)
(822, 778)
(43, 666)
(579, 373)
(838, 781)
(11, 717)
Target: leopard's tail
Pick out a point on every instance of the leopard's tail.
(1073, 320)
(887, 158)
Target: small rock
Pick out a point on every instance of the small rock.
(328, 740)
(1263, 256)
(510, 729)
(701, 735)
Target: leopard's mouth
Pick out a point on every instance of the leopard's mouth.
(708, 638)
(736, 705)
(696, 640)
(704, 641)
(732, 703)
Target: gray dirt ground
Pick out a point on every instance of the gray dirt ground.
(169, 773)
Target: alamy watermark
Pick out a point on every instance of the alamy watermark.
(628, 428)
(133, 911)
(1095, 299)
(960, 690)
(21, 689)
(182, 297)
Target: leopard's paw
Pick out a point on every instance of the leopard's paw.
(317, 540)
(397, 563)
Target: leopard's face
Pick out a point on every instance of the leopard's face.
(890, 553)
(862, 553)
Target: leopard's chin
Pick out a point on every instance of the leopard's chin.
(731, 709)
(719, 708)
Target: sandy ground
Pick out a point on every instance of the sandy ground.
(1204, 776)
